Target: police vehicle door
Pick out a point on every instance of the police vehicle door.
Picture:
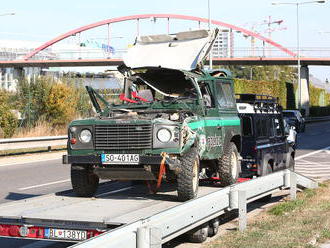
(212, 122)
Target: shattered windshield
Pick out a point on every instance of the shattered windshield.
(144, 87)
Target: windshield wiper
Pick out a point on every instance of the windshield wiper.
(94, 96)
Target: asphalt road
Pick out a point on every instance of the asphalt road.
(25, 180)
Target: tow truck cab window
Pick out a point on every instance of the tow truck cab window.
(225, 93)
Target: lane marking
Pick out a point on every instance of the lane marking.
(28, 162)
(115, 191)
(44, 184)
(312, 153)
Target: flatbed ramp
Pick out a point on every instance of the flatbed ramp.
(125, 215)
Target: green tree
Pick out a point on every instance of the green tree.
(61, 104)
(8, 121)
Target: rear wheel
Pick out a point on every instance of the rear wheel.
(188, 177)
(213, 227)
(199, 234)
(228, 165)
(84, 181)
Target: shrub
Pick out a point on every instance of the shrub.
(8, 121)
(61, 104)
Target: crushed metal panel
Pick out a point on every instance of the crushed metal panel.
(183, 51)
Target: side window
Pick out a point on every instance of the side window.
(263, 127)
(225, 94)
(278, 128)
(207, 96)
(247, 126)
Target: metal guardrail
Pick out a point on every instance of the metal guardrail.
(156, 230)
(33, 142)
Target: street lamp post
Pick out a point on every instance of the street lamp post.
(298, 44)
(209, 24)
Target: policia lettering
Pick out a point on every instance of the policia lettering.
(213, 141)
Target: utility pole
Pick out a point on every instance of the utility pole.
(209, 17)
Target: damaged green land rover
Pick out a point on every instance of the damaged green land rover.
(173, 121)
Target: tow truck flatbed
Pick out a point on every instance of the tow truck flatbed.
(115, 204)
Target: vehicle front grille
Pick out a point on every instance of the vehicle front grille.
(123, 136)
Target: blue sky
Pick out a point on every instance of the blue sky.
(43, 20)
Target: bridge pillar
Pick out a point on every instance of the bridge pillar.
(304, 94)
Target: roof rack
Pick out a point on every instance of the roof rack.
(261, 103)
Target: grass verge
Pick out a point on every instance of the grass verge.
(304, 222)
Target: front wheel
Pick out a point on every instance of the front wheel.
(228, 165)
(84, 181)
(188, 177)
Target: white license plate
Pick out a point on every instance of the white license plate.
(120, 158)
(65, 234)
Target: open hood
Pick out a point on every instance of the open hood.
(182, 51)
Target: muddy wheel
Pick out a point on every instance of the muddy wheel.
(84, 181)
(188, 177)
(228, 165)
(199, 234)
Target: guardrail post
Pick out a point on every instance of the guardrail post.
(149, 237)
(155, 237)
(142, 237)
(293, 185)
(242, 216)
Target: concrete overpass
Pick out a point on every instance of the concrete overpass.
(323, 61)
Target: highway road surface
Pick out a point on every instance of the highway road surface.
(25, 178)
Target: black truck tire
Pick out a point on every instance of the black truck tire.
(199, 234)
(228, 165)
(213, 227)
(84, 181)
(188, 177)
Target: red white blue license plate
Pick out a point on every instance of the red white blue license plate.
(120, 158)
(65, 234)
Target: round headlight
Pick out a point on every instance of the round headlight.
(85, 136)
(164, 135)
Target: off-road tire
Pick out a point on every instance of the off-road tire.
(225, 165)
(84, 181)
(199, 234)
(188, 177)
